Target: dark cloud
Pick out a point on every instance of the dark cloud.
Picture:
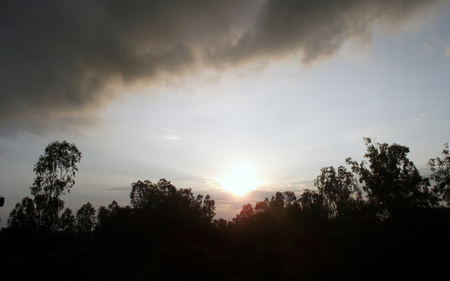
(60, 59)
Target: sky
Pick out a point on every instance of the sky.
(192, 90)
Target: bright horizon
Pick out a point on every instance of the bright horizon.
(220, 95)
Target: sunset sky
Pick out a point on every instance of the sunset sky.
(198, 91)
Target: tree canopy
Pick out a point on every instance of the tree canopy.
(55, 175)
(375, 218)
(390, 179)
(440, 167)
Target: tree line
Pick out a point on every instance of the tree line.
(378, 218)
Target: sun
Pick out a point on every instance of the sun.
(241, 179)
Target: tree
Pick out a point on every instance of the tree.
(148, 195)
(246, 212)
(391, 180)
(441, 174)
(105, 213)
(339, 189)
(86, 218)
(208, 208)
(23, 215)
(141, 191)
(67, 221)
(276, 204)
(55, 175)
(311, 200)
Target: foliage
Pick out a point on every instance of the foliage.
(86, 218)
(168, 233)
(104, 214)
(67, 221)
(391, 180)
(23, 215)
(339, 189)
(156, 195)
(441, 174)
(55, 175)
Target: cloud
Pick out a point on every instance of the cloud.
(442, 43)
(447, 51)
(421, 116)
(438, 41)
(63, 59)
(170, 136)
(426, 50)
(120, 188)
(252, 70)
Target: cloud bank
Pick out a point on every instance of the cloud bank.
(61, 59)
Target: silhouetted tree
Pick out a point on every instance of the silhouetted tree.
(339, 189)
(276, 204)
(23, 215)
(67, 221)
(289, 199)
(262, 206)
(311, 200)
(105, 213)
(169, 233)
(246, 212)
(221, 224)
(140, 193)
(314, 211)
(441, 174)
(86, 219)
(164, 226)
(208, 208)
(55, 175)
(155, 195)
(391, 180)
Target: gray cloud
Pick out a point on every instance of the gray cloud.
(120, 188)
(62, 59)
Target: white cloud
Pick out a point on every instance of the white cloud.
(170, 136)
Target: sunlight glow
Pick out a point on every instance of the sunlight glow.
(241, 179)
